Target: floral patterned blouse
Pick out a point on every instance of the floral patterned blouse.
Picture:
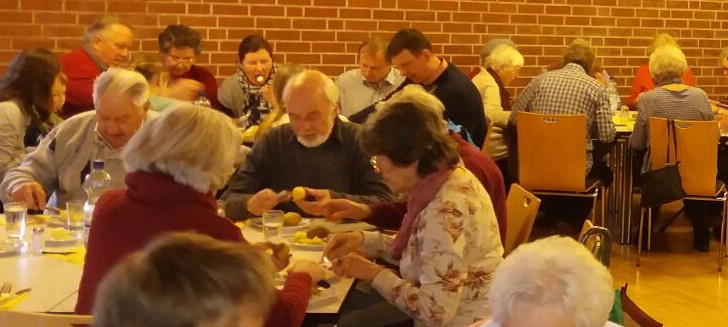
(447, 266)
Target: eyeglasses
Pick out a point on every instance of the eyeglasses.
(187, 60)
(373, 162)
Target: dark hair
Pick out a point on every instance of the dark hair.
(253, 43)
(406, 133)
(407, 39)
(179, 36)
(30, 78)
(581, 55)
(185, 279)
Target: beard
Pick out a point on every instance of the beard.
(318, 139)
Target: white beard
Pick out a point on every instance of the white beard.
(320, 139)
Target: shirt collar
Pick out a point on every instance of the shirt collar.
(99, 64)
(391, 78)
(440, 70)
(574, 68)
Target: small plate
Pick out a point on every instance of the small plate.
(60, 243)
(8, 249)
(325, 296)
(308, 247)
(305, 222)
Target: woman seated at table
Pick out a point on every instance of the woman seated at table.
(164, 92)
(643, 80)
(31, 92)
(173, 174)
(500, 68)
(185, 279)
(448, 232)
(673, 99)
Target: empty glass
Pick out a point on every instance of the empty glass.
(272, 225)
(15, 213)
(74, 215)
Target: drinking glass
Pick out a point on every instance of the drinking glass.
(272, 225)
(15, 213)
(74, 215)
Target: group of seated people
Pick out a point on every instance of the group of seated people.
(397, 143)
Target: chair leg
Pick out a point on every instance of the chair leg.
(722, 245)
(639, 236)
(594, 209)
(649, 229)
(604, 216)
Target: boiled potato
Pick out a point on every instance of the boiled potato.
(291, 219)
(298, 193)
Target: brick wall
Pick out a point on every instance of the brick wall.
(325, 33)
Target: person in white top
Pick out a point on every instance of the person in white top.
(551, 282)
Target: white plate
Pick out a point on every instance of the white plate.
(305, 222)
(308, 247)
(9, 249)
(325, 297)
(59, 243)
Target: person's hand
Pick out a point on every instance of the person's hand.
(280, 253)
(30, 193)
(311, 268)
(599, 76)
(317, 207)
(338, 209)
(262, 201)
(342, 244)
(354, 265)
(184, 89)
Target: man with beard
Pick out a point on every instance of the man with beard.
(316, 150)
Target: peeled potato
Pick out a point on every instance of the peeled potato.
(318, 231)
(249, 133)
(291, 219)
(298, 193)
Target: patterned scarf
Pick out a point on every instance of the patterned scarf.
(255, 109)
(423, 193)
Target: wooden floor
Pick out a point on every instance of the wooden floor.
(675, 284)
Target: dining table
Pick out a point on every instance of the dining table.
(54, 276)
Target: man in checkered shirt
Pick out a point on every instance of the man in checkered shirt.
(571, 91)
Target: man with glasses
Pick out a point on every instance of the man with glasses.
(105, 44)
(179, 46)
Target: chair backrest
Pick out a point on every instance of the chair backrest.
(521, 209)
(598, 240)
(551, 151)
(33, 319)
(697, 151)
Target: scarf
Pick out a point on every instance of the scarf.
(504, 95)
(423, 193)
(255, 108)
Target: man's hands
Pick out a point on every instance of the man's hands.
(30, 193)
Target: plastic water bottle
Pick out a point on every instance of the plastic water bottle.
(614, 100)
(202, 100)
(96, 183)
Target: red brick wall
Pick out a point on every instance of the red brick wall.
(325, 33)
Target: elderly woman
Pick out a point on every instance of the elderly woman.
(31, 92)
(643, 80)
(551, 282)
(674, 100)
(449, 230)
(499, 69)
(247, 93)
(184, 279)
(173, 174)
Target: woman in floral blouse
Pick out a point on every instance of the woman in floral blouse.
(448, 245)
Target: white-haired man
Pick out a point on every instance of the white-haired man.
(316, 150)
(551, 282)
(60, 163)
(107, 43)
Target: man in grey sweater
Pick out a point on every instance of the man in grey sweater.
(62, 160)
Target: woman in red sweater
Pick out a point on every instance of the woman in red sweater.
(176, 162)
(643, 81)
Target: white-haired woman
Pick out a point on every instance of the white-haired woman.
(499, 69)
(643, 80)
(176, 162)
(673, 99)
(551, 282)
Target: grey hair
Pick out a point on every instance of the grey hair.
(417, 95)
(580, 54)
(196, 146)
(554, 271)
(313, 78)
(100, 25)
(504, 56)
(122, 81)
(662, 40)
(667, 63)
(489, 46)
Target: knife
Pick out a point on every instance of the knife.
(14, 296)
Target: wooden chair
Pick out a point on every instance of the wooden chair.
(552, 157)
(598, 240)
(33, 319)
(521, 208)
(697, 151)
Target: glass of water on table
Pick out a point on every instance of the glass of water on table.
(15, 216)
(272, 225)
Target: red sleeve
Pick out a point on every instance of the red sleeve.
(388, 215)
(210, 83)
(688, 78)
(291, 302)
(642, 82)
(81, 72)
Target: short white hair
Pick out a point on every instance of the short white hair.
(313, 79)
(122, 81)
(101, 27)
(196, 146)
(555, 271)
(667, 62)
(504, 56)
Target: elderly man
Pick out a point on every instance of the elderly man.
(316, 150)
(410, 52)
(60, 163)
(373, 81)
(179, 46)
(106, 44)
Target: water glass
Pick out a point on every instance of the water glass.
(74, 215)
(15, 213)
(272, 225)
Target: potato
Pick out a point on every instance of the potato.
(318, 231)
(291, 219)
(298, 193)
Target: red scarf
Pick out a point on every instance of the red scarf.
(423, 193)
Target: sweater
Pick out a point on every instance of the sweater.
(81, 68)
(202, 75)
(643, 82)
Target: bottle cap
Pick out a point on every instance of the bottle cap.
(98, 164)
